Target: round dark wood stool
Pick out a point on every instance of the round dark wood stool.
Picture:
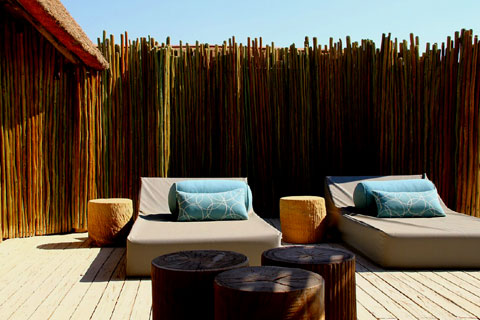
(265, 293)
(182, 282)
(337, 267)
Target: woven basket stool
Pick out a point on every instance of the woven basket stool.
(302, 219)
(109, 220)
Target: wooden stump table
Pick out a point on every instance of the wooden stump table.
(109, 220)
(269, 293)
(302, 219)
(337, 267)
(182, 282)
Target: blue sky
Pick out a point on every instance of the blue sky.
(282, 22)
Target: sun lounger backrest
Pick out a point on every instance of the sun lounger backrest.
(154, 193)
(341, 187)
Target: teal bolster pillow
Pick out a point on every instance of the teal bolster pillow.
(208, 186)
(363, 197)
(408, 204)
(228, 205)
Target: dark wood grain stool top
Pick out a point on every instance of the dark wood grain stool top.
(182, 282)
(269, 293)
(337, 267)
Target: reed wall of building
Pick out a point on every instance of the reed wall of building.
(36, 108)
(283, 117)
(68, 134)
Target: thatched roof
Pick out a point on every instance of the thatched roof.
(52, 20)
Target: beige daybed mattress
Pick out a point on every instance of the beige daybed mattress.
(154, 234)
(441, 242)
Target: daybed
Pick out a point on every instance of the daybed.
(155, 233)
(452, 241)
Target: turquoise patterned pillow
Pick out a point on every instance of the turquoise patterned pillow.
(228, 205)
(363, 197)
(408, 204)
(208, 186)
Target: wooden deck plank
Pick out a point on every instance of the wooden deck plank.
(12, 246)
(10, 282)
(106, 304)
(90, 283)
(391, 290)
(143, 302)
(89, 302)
(124, 306)
(48, 307)
(474, 274)
(396, 295)
(395, 308)
(372, 305)
(276, 224)
(438, 298)
(406, 288)
(8, 254)
(13, 264)
(35, 280)
(70, 302)
(51, 302)
(454, 293)
(422, 300)
(463, 280)
(363, 313)
(461, 287)
(43, 301)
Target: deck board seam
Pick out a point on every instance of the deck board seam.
(37, 283)
(90, 285)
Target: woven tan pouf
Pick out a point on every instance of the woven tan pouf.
(301, 219)
(108, 220)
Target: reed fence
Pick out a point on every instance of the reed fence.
(283, 117)
(286, 117)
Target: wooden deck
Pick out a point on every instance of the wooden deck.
(63, 277)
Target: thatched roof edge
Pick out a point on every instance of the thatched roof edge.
(55, 19)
